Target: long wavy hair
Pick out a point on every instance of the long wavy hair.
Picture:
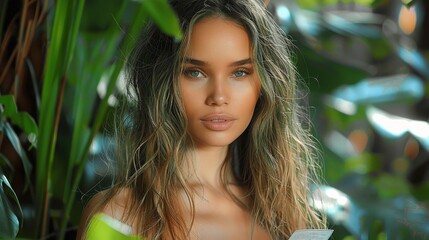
(273, 160)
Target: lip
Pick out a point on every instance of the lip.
(218, 122)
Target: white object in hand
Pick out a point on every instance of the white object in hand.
(311, 234)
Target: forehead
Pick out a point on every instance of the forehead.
(218, 36)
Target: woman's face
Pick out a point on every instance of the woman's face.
(219, 85)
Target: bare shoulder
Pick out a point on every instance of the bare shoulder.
(116, 206)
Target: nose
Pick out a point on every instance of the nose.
(217, 93)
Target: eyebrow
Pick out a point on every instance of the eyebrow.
(202, 63)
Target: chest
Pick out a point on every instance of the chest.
(223, 219)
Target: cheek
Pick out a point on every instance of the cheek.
(249, 98)
(189, 100)
(250, 105)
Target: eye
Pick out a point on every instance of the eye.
(194, 73)
(240, 73)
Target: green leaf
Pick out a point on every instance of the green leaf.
(96, 21)
(315, 3)
(14, 140)
(127, 44)
(34, 81)
(62, 41)
(324, 74)
(5, 164)
(104, 227)
(164, 16)
(334, 169)
(22, 119)
(364, 163)
(167, 21)
(389, 186)
(409, 3)
(377, 3)
(363, 2)
(322, 3)
(10, 210)
(342, 120)
(349, 238)
(380, 47)
(421, 192)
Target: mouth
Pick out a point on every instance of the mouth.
(217, 118)
(218, 122)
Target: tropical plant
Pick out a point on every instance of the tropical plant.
(85, 48)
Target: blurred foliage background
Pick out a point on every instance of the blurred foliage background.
(365, 63)
(366, 66)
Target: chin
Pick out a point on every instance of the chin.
(214, 142)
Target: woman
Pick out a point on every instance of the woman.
(214, 149)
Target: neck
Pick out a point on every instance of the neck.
(207, 164)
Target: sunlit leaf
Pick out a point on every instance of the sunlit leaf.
(10, 210)
(315, 3)
(363, 2)
(164, 16)
(322, 3)
(104, 227)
